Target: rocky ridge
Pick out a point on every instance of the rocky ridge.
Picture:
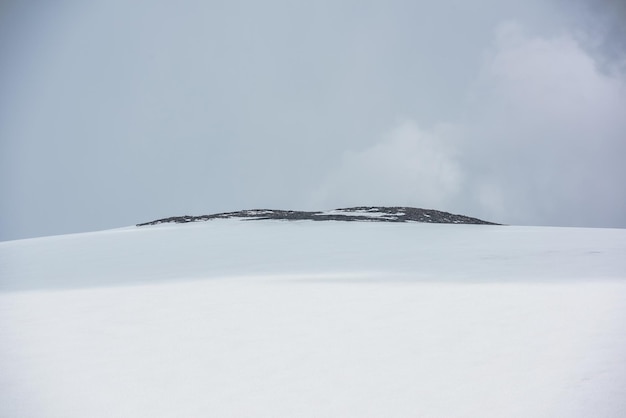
(359, 213)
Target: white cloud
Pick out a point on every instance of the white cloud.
(408, 166)
(545, 137)
(541, 142)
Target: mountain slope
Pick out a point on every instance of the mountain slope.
(233, 318)
(359, 213)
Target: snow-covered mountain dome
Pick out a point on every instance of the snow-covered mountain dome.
(230, 318)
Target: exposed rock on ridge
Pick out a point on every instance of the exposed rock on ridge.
(360, 213)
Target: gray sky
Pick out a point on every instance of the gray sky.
(116, 112)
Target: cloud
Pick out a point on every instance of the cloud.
(409, 166)
(601, 31)
(544, 137)
(541, 141)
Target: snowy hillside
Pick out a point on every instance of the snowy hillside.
(315, 319)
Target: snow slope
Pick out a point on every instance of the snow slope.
(232, 318)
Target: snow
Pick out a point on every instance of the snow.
(369, 213)
(334, 319)
(258, 212)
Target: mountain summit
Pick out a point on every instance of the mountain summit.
(359, 213)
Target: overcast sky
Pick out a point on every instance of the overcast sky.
(114, 112)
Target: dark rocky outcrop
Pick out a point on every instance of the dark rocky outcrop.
(360, 213)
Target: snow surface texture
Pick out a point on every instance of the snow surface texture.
(307, 319)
